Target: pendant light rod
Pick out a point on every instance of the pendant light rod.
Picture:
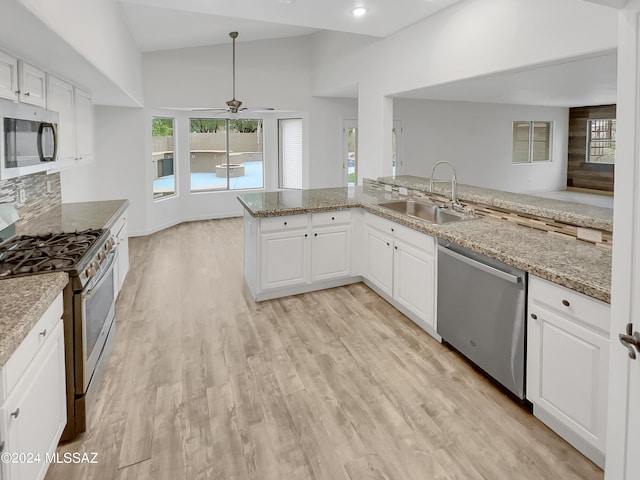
(234, 35)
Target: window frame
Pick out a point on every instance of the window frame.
(531, 141)
(589, 141)
(227, 119)
(174, 160)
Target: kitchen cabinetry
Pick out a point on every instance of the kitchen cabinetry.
(120, 233)
(83, 107)
(567, 364)
(32, 85)
(284, 249)
(75, 123)
(297, 253)
(8, 76)
(401, 265)
(60, 99)
(33, 411)
(330, 245)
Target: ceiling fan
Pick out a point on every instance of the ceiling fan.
(234, 105)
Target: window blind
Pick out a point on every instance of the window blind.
(291, 153)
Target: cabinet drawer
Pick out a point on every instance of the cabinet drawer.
(579, 307)
(382, 224)
(288, 222)
(26, 351)
(421, 240)
(330, 218)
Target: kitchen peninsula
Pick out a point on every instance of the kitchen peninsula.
(297, 241)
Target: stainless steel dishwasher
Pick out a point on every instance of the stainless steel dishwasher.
(481, 312)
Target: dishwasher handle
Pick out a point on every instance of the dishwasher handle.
(481, 266)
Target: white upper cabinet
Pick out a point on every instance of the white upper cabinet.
(84, 125)
(8, 77)
(60, 99)
(32, 83)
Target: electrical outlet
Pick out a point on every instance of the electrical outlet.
(22, 195)
(589, 235)
(403, 191)
(49, 188)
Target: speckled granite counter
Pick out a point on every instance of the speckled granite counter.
(558, 210)
(23, 300)
(70, 217)
(578, 265)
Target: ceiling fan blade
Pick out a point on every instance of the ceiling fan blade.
(258, 109)
(210, 109)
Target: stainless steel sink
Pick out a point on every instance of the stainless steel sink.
(425, 211)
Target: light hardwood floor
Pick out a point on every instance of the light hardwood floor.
(203, 383)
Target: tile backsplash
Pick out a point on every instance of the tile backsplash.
(41, 192)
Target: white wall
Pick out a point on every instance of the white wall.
(477, 138)
(469, 39)
(97, 31)
(118, 171)
(270, 73)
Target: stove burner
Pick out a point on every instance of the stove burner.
(45, 253)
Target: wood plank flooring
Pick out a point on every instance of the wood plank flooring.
(204, 383)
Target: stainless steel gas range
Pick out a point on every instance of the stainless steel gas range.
(89, 306)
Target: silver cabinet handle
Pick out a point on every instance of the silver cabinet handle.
(43, 333)
(27, 94)
(16, 413)
(630, 340)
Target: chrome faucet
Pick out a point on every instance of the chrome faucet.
(454, 184)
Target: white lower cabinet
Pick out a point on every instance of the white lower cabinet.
(120, 233)
(401, 265)
(567, 364)
(330, 252)
(379, 260)
(414, 285)
(33, 413)
(284, 257)
(296, 253)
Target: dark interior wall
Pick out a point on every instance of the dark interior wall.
(580, 173)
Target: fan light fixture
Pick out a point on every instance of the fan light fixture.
(359, 11)
(234, 105)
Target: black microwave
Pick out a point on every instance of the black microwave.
(29, 137)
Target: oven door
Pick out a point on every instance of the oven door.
(98, 312)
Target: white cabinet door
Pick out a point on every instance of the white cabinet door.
(379, 260)
(414, 280)
(123, 254)
(84, 125)
(35, 412)
(60, 99)
(33, 87)
(330, 253)
(284, 258)
(8, 76)
(567, 377)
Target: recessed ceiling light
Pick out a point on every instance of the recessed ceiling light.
(359, 11)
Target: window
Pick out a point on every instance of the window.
(290, 165)
(601, 141)
(531, 142)
(225, 154)
(162, 152)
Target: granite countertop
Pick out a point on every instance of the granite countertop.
(561, 211)
(23, 301)
(71, 217)
(578, 265)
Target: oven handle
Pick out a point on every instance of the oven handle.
(98, 281)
